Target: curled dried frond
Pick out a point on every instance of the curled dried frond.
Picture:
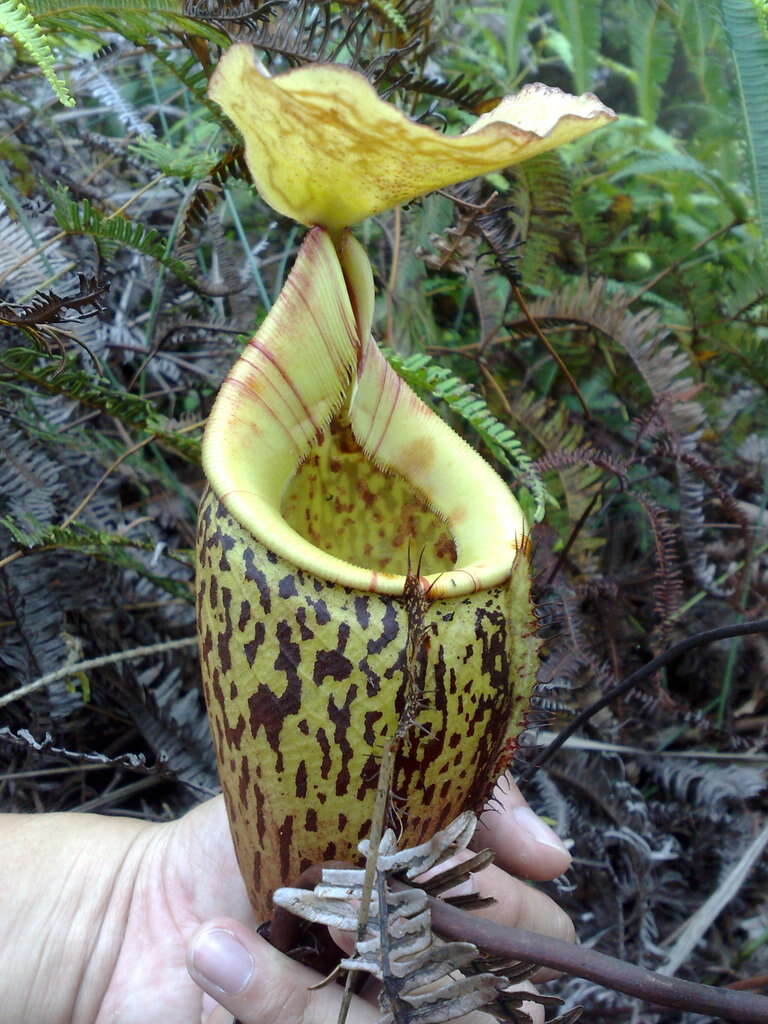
(398, 947)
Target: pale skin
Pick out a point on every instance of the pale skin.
(111, 920)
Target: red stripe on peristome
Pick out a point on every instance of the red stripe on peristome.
(269, 355)
(245, 386)
(391, 412)
(273, 384)
(338, 363)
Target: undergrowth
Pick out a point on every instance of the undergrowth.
(594, 322)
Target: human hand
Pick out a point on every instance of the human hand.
(105, 913)
(259, 985)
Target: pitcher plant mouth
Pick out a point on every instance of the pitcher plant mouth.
(319, 450)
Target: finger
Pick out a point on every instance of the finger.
(258, 984)
(522, 842)
(518, 905)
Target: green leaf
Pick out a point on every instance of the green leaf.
(517, 17)
(113, 232)
(652, 46)
(110, 547)
(391, 11)
(579, 20)
(18, 23)
(68, 379)
(651, 164)
(749, 47)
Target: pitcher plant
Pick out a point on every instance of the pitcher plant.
(329, 480)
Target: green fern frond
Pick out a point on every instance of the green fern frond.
(426, 377)
(580, 22)
(136, 20)
(111, 233)
(749, 47)
(69, 380)
(54, 8)
(33, 535)
(652, 46)
(17, 22)
(651, 164)
(747, 353)
(390, 11)
(543, 202)
(185, 160)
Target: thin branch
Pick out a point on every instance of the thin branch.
(509, 943)
(106, 659)
(697, 640)
(729, 756)
(377, 829)
(683, 259)
(576, 530)
(110, 468)
(415, 599)
(548, 346)
(580, 962)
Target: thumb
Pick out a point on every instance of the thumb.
(260, 985)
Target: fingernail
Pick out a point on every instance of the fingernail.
(531, 823)
(223, 961)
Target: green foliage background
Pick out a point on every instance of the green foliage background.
(135, 260)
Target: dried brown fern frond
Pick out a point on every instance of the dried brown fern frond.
(668, 581)
(308, 33)
(542, 201)
(667, 373)
(585, 454)
(41, 318)
(665, 368)
(207, 191)
(553, 429)
(456, 91)
(50, 308)
(482, 229)
(418, 973)
(234, 19)
(668, 585)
